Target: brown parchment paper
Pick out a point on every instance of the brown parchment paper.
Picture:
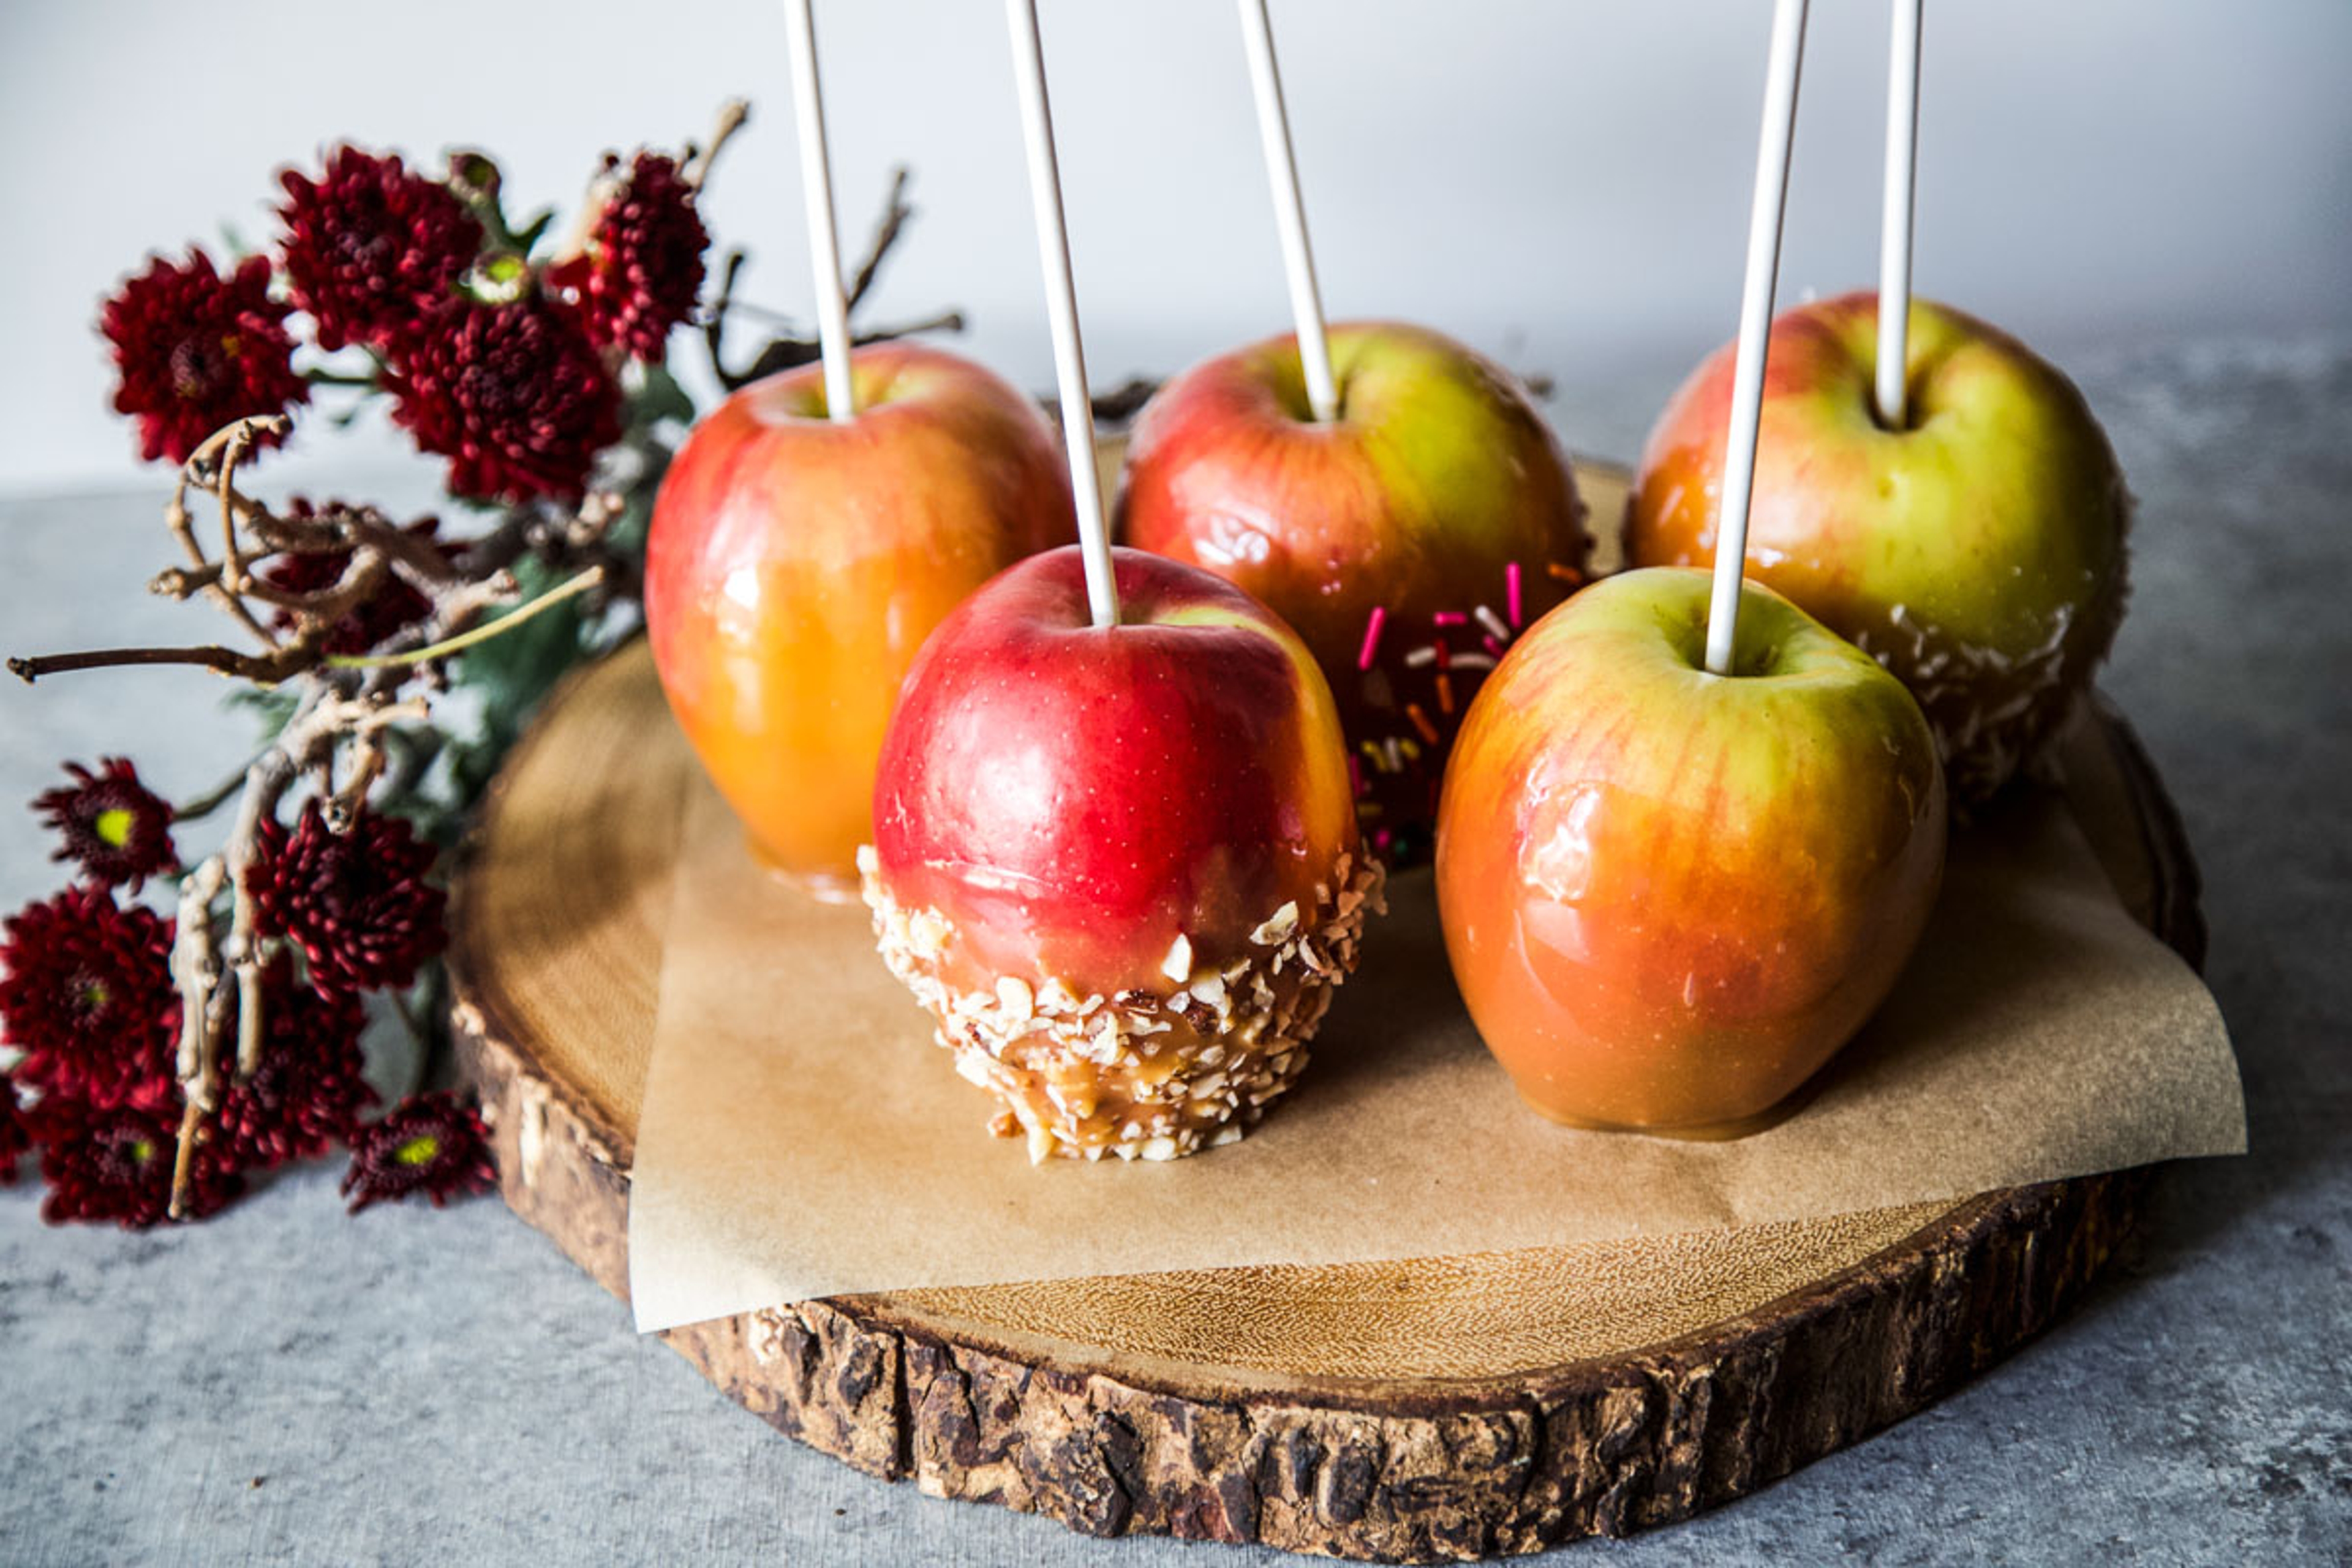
(803, 1136)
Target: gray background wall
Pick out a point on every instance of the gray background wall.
(1564, 184)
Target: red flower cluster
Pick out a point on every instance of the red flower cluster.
(195, 351)
(641, 270)
(114, 827)
(371, 250)
(86, 996)
(513, 395)
(503, 365)
(87, 999)
(431, 1143)
(356, 903)
(115, 1163)
(395, 607)
(308, 1092)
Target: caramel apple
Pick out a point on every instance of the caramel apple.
(1670, 896)
(1408, 538)
(1119, 865)
(1978, 551)
(797, 562)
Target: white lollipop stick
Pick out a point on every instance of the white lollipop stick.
(1895, 220)
(816, 192)
(1290, 212)
(1755, 324)
(1062, 306)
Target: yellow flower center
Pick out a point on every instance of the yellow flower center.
(421, 1150)
(112, 827)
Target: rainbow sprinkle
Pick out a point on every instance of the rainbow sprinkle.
(1383, 770)
(1373, 625)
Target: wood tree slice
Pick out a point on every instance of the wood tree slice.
(1432, 1409)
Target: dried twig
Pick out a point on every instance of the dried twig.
(695, 171)
(344, 705)
(896, 211)
(795, 347)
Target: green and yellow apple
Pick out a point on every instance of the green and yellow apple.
(1670, 896)
(1407, 540)
(795, 564)
(1977, 553)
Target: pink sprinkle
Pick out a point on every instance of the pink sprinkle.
(1444, 654)
(1449, 618)
(1373, 625)
(1511, 590)
(1493, 646)
(1380, 840)
(1355, 774)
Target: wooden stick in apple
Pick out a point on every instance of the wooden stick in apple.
(1764, 215)
(1289, 211)
(1062, 307)
(816, 192)
(1895, 220)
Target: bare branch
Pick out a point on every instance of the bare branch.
(270, 668)
(695, 171)
(896, 211)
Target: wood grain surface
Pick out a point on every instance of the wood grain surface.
(1410, 1411)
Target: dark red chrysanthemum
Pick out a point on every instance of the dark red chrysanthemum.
(372, 249)
(115, 829)
(641, 270)
(195, 350)
(88, 998)
(103, 1163)
(357, 903)
(393, 607)
(513, 395)
(429, 1144)
(308, 1090)
(16, 1137)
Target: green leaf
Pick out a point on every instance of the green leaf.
(274, 704)
(525, 238)
(658, 396)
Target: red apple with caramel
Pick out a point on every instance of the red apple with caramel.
(1119, 865)
(795, 564)
(1408, 539)
(1670, 896)
(1977, 553)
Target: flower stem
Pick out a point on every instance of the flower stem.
(570, 586)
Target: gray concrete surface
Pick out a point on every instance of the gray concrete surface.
(287, 1385)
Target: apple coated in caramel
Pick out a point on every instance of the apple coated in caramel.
(1669, 896)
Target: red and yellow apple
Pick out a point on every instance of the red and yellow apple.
(1120, 865)
(795, 564)
(1670, 896)
(1437, 501)
(1977, 553)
